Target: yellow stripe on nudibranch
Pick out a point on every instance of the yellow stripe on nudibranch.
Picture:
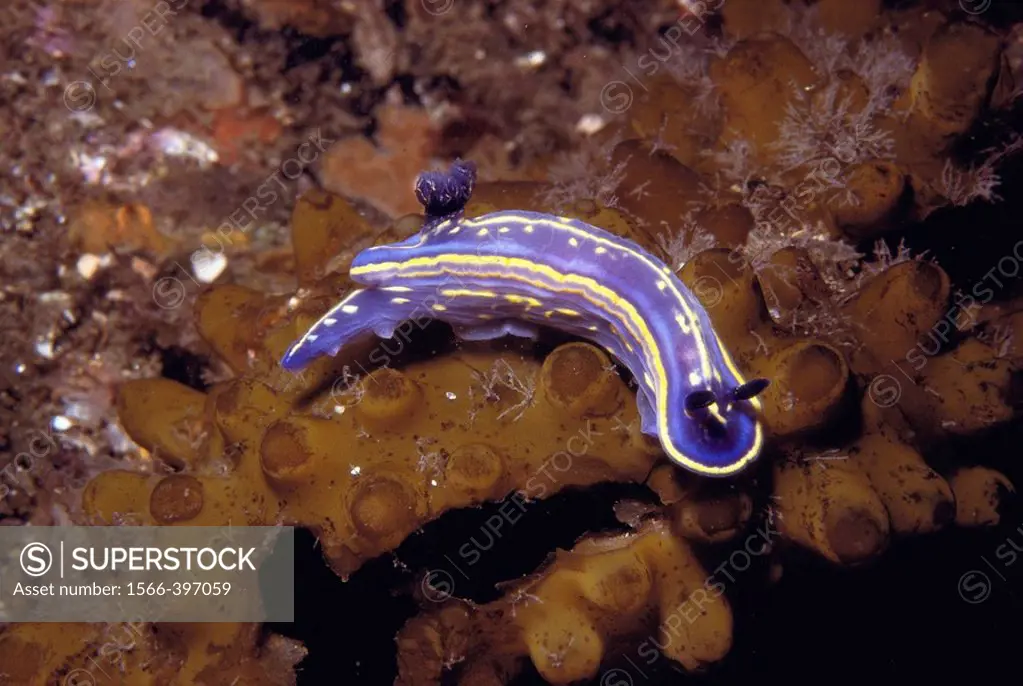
(714, 412)
(705, 364)
(449, 263)
(755, 401)
(519, 269)
(456, 292)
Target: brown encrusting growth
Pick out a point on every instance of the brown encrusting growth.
(607, 590)
(141, 654)
(364, 465)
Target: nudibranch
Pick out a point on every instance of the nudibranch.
(509, 273)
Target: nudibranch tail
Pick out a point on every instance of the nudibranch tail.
(362, 311)
(445, 193)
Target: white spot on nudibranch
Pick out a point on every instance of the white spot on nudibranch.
(330, 321)
(455, 230)
(661, 285)
(396, 289)
(600, 250)
(439, 308)
(399, 301)
(503, 229)
(482, 232)
(528, 228)
(694, 379)
(350, 309)
(573, 242)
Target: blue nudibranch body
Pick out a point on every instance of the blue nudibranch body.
(509, 273)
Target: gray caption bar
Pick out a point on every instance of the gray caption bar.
(147, 574)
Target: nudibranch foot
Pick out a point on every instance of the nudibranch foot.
(493, 330)
(446, 193)
(647, 414)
